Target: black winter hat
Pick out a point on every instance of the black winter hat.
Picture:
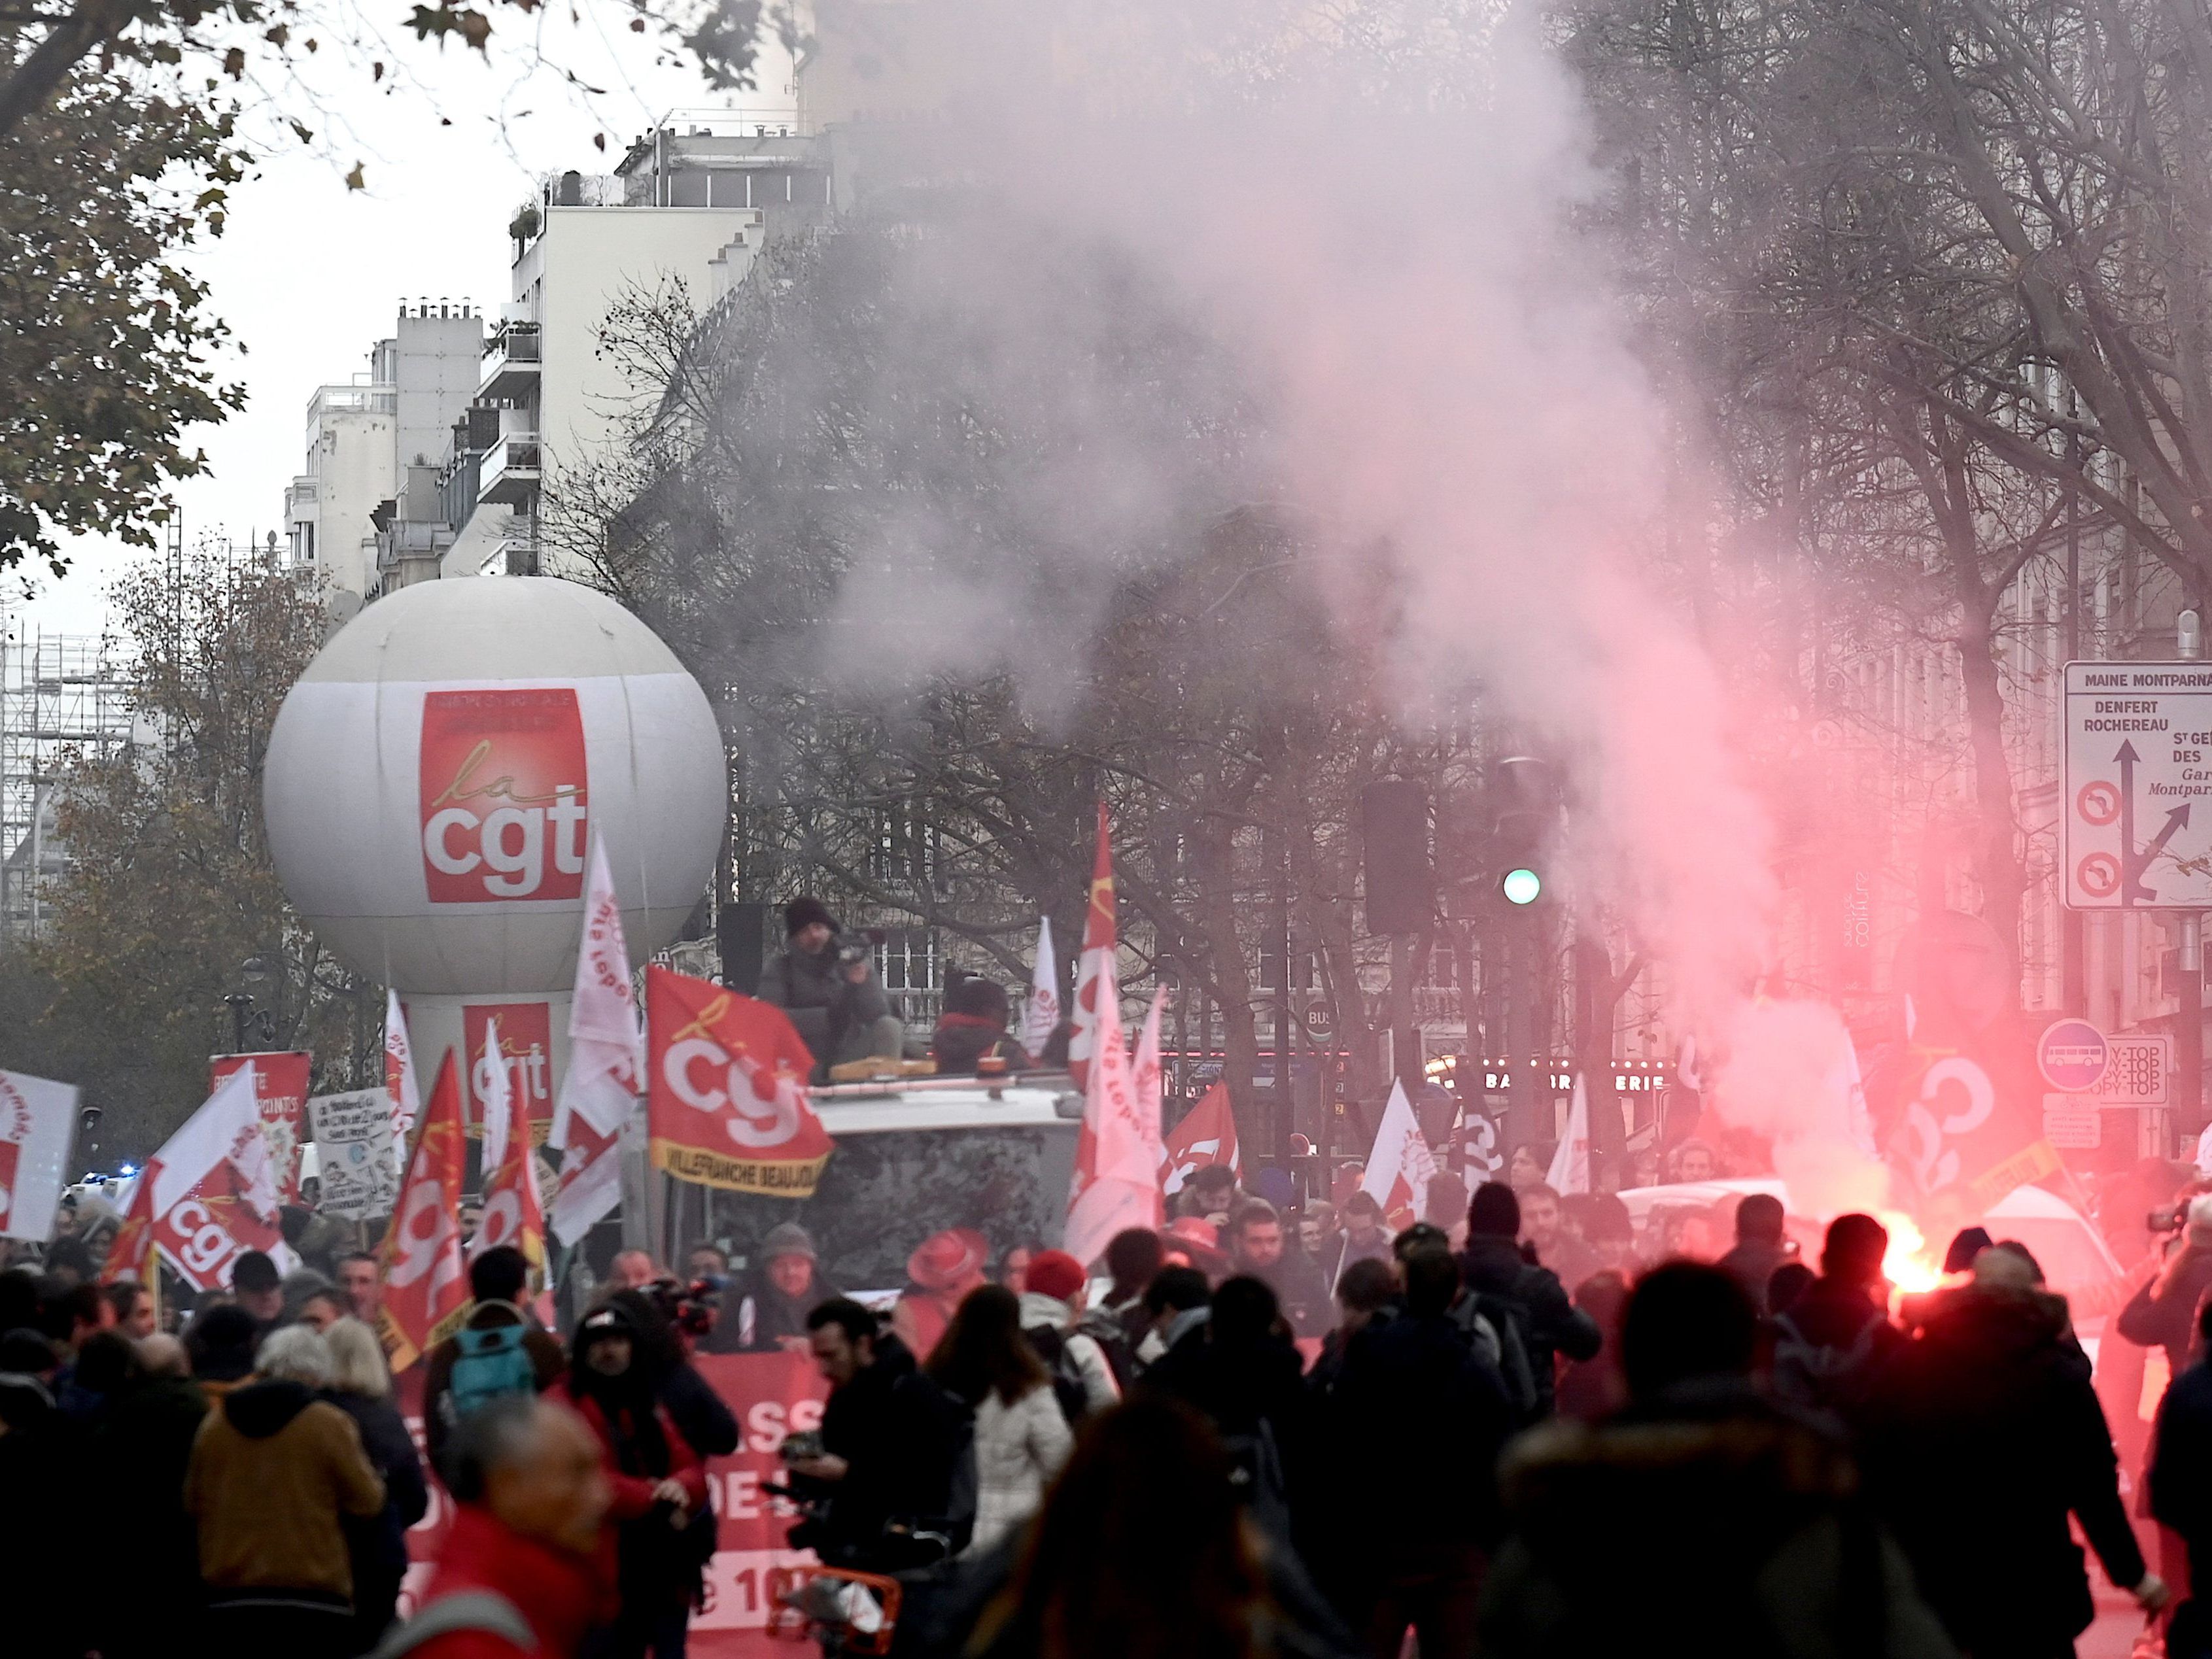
(805, 912)
(1494, 1212)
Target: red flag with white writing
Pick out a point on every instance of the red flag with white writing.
(727, 1104)
(1206, 1135)
(513, 1212)
(1097, 978)
(426, 1289)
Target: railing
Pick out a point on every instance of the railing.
(352, 400)
(516, 452)
(516, 342)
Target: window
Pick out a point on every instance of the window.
(906, 959)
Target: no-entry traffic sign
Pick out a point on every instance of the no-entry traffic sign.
(2138, 760)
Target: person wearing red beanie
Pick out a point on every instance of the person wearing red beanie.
(1055, 1291)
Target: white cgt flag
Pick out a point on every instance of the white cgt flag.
(1400, 1165)
(1041, 1014)
(38, 1121)
(606, 1063)
(400, 1081)
(1117, 1155)
(1571, 1164)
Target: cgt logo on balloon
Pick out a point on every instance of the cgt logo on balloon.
(505, 794)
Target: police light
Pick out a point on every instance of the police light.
(129, 1169)
(1521, 885)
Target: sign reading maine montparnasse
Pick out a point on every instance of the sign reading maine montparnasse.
(2138, 786)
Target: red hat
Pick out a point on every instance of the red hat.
(1056, 1274)
(1194, 1230)
(950, 1260)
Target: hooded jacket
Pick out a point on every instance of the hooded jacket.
(1551, 1324)
(562, 1596)
(1707, 1521)
(272, 1470)
(1978, 1442)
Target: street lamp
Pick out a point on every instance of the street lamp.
(253, 975)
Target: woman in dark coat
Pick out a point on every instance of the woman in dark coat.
(361, 1388)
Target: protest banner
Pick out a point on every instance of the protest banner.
(360, 1165)
(38, 1121)
(770, 1395)
(280, 1083)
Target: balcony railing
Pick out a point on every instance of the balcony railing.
(510, 360)
(510, 474)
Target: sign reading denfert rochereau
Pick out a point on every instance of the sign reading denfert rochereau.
(2138, 786)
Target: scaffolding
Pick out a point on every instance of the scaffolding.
(61, 695)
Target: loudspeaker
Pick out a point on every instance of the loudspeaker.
(1393, 830)
(743, 941)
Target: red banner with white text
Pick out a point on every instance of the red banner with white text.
(770, 1395)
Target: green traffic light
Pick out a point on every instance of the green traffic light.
(1522, 886)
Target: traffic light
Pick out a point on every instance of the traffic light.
(1525, 810)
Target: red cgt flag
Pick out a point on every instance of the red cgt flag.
(1207, 1134)
(726, 1090)
(426, 1290)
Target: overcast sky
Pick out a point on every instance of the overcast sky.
(309, 274)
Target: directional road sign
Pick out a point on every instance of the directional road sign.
(2138, 760)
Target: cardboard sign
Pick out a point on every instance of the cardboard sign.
(360, 1170)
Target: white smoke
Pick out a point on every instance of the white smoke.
(1370, 208)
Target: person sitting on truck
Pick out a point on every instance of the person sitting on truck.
(830, 989)
(973, 1027)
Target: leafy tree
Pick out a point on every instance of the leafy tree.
(105, 338)
(170, 889)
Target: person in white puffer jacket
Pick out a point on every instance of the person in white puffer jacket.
(1055, 1291)
(1021, 1436)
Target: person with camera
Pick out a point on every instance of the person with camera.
(823, 979)
(2163, 1313)
(877, 1482)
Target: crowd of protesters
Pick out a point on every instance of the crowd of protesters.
(1514, 1426)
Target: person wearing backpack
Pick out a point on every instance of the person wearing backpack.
(1525, 1304)
(1021, 1435)
(1075, 1354)
(1412, 1431)
(1240, 1368)
(1837, 1335)
(500, 1350)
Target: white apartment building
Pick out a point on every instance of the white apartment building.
(692, 202)
(364, 436)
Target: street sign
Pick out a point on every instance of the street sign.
(2070, 1121)
(2072, 1056)
(2138, 758)
(2136, 1070)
